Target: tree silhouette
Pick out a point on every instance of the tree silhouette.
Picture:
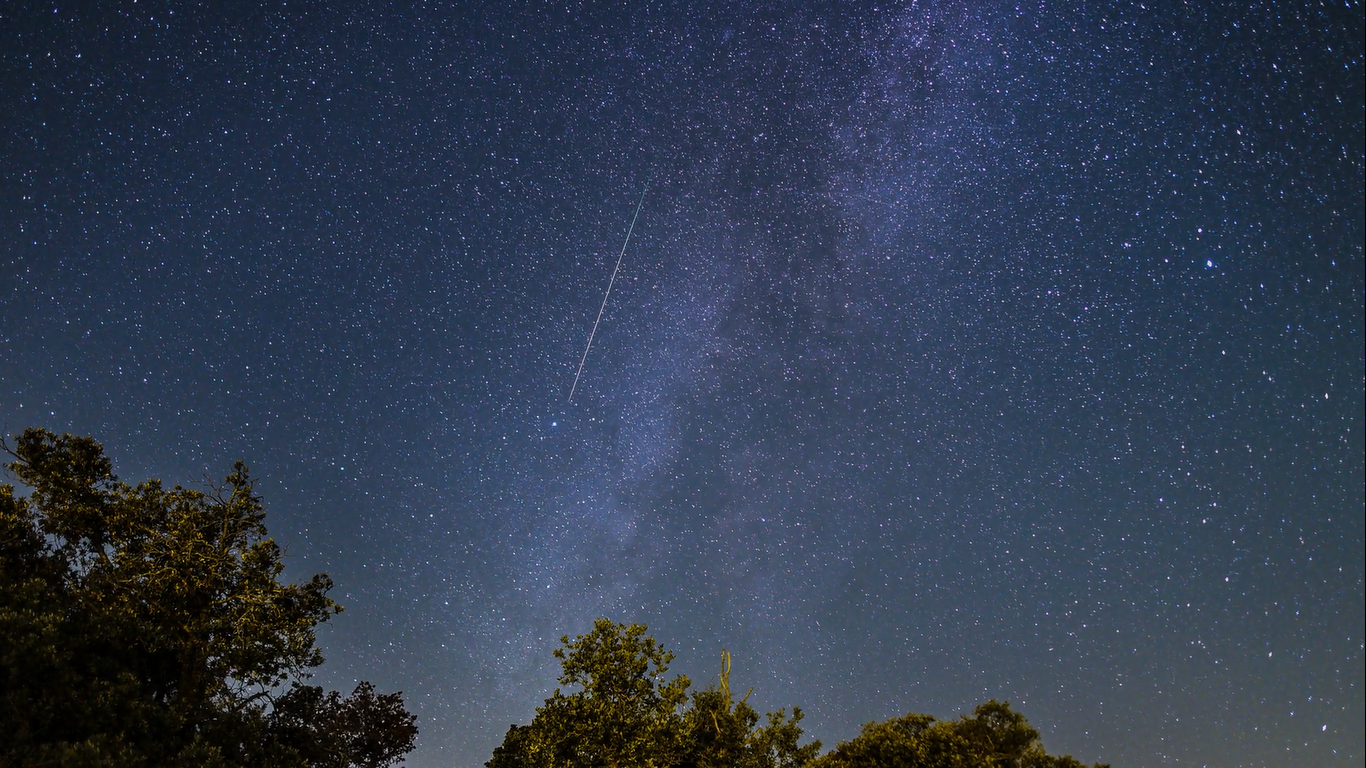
(994, 737)
(623, 711)
(141, 626)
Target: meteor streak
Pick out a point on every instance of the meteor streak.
(616, 269)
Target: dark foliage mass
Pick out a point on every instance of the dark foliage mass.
(994, 737)
(142, 627)
(145, 626)
(622, 711)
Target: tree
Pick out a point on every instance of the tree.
(625, 713)
(994, 737)
(776, 744)
(364, 729)
(722, 733)
(141, 626)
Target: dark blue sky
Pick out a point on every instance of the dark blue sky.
(960, 351)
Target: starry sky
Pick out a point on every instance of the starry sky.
(961, 350)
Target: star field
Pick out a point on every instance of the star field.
(961, 350)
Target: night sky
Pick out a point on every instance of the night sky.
(961, 350)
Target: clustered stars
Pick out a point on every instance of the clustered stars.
(1006, 352)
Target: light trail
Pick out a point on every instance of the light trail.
(610, 282)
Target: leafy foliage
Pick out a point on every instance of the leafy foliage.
(624, 713)
(364, 729)
(722, 733)
(142, 626)
(994, 737)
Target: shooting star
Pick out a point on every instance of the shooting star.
(605, 296)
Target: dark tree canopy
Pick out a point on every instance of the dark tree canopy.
(994, 737)
(141, 626)
(625, 713)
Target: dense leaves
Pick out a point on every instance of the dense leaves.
(994, 737)
(141, 626)
(364, 729)
(624, 713)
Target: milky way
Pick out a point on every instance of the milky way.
(961, 350)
